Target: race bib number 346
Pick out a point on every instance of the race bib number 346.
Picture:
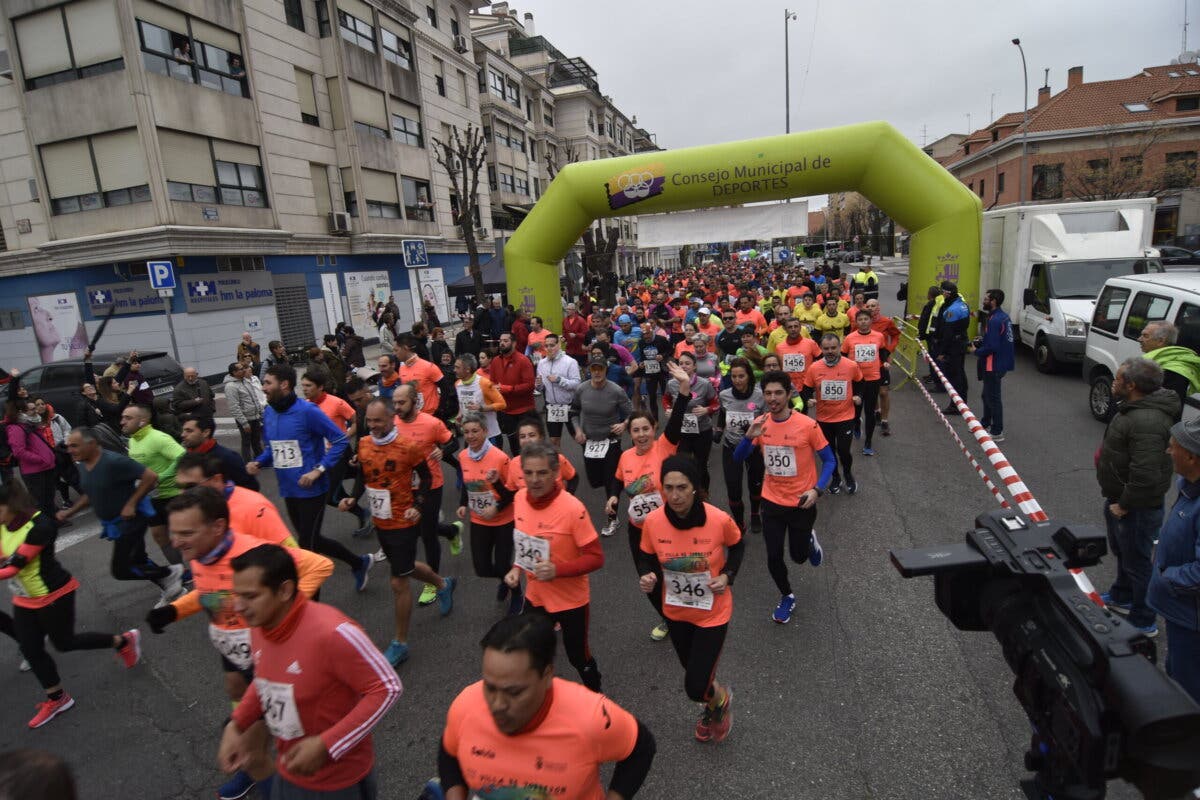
(687, 589)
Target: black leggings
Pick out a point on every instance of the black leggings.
(840, 436)
(733, 483)
(793, 524)
(129, 560)
(41, 486)
(635, 549)
(491, 549)
(306, 514)
(870, 401)
(698, 649)
(431, 529)
(31, 626)
(656, 387)
(698, 446)
(574, 624)
(602, 472)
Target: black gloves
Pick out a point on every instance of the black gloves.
(159, 618)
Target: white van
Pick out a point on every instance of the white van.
(1123, 308)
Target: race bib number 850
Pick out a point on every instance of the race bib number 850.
(835, 390)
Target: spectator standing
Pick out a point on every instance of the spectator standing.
(387, 332)
(470, 339)
(1134, 472)
(249, 348)
(335, 363)
(352, 349)
(193, 395)
(244, 394)
(1181, 365)
(277, 355)
(952, 324)
(995, 353)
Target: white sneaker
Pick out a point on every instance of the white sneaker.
(172, 586)
(24, 667)
(610, 528)
(379, 556)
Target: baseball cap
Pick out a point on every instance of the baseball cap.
(625, 319)
(597, 360)
(949, 286)
(706, 311)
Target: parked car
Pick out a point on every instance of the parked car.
(1177, 256)
(1189, 241)
(1123, 308)
(59, 382)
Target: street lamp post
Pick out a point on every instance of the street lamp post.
(1024, 127)
(788, 16)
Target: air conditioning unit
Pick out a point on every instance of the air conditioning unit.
(460, 43)
(481, 233)
(339, 222)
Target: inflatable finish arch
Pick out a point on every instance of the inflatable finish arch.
(872, 158)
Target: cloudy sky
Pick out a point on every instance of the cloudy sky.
(704, 71)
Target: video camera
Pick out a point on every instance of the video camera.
(1099, 707)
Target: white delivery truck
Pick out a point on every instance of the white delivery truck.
(1052, 260)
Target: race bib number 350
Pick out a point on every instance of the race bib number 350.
(780, 460)
(528, 550)
(285, 454)
(687, 589)
(278, 702)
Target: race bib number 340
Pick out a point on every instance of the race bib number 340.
(528, 550)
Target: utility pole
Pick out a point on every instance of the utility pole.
(992, 109)
(1024, 127)
(788, 16)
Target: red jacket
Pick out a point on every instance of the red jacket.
(575, 330)
(520, 332)
(513, 376)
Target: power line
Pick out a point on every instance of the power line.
(808, 61)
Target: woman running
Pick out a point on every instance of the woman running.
(697, 548)
(740, 405)
(484, 469)
(44, 600)
(638, 470)
(696, 439)
(530, 428)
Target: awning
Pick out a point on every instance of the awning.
(493, 279)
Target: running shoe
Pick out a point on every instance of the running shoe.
(501, 591)
(456, 542)
(236, 787)
(610, 528)
(1150, 631)
(24, 666)
(362, 573)
(783, 611)
(364, 529)
(997, 437)
(445, 597)
(131, 652)
(172, 587)
(659, 632)
(50, 709)
(722, 718)
(428, 595)
(396, 653)
(951, 410)
(1116, 606)
(816, 553)
(516, 602)
(756, 523)
(704, 725)
(857, 429)
(885, 428)
(868, 451)
(835, 486)
(433, 791)
(378, 556)
(851, 486)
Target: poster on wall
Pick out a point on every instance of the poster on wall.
(333, 300)
(363, 291)
(431, 289)
(58, 326)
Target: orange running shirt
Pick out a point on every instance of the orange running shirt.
(689, 560)
(388, 475)
(639, 474)
(864, 351)
(789, 454)
(566, 527)
(559, 757)
(424, 376)
(429, 432)
(338, 410)
(516, 478)
(254, 515)
(833, 388)
(797, 358)
(479, 490)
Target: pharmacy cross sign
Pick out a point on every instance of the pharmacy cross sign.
(201, 288)
(102, 297)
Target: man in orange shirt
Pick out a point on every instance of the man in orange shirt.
(313, 384)
(835, 384)
(249, 512)
(891, 336)
(706, 324)
(522, 732)
(555, 545)
(419, 372)
(748, 313)
(867, 348)
(796, 352)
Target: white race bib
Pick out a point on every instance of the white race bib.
(285, 454)
(278, 701)
(470, 398)
(835, 390)
(641, 506)
(528, 550)
(738, 421)
(691, 423)
(865, 353)
(780, 460)
(557, 412)
(651, 366)
(793, 362)
(380, 502)
(687, 589)
(596, 448)
(233, 644)
(480, 502)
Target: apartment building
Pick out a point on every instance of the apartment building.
(279, 154)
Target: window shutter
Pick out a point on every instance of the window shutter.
(68, 168)
(236, 152)
(347, 179)
(43, 43)
(366, 105)
(95, 36)
(119, 159)
(161, 16)
(380, 186)
(186, 158)
(357, 8)
(335, 103)
(307, 96)
(211, 34)
(320, 182)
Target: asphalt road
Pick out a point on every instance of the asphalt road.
(868, 692)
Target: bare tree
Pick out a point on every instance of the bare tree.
(463, 158)
(600, 259)
(554, 162)
(1117, 168)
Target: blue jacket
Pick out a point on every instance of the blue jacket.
(1175, 580)
(996, 350)
(308, 426)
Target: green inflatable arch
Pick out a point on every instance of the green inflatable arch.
(871, 158)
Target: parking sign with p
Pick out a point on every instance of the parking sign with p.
(162, 274)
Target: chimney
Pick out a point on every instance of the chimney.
(1043, 94)
(529, 29)
(1074, 77)
(500, 9)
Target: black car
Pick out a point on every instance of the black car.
(1172, 256)
(59, 382)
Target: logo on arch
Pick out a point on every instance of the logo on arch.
(635, 185)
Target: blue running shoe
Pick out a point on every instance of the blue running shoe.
(816, 554)
(236, 787)
(362, 573)
(397, 653)
(783, 611)
(1150, 630)
(868, 451)
(433, 791)
(445, 597)
(1115, 606)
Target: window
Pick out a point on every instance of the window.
(368, 111)
(455, 25)
(1109, 308)
(1145, 308)
(521, 182)
(1136, 108)
(591, 120)
(349, 196)
(1188, 323)
(982, 187)
(371, 130)
(502, 134)
(324, 30)
(69, 43)
(1047, 182)
(1098, 166)
(608, 127)
(466, 88)
(406, 126)
(417, 205)
(356, 31)
(95, 172)
(294, 14)
(320, 181)
(431, 15)
(537, 188)
(528, 109)
(547, 115)
(1000, 183)
(512, 92)
(506, 182)
(1181, 169)
(1131, 166)
(439, 76)
(210, 56)
(496, 83)
(396, 48)
(492, 178)
(383, 202)
(201, 170)
(307, 96)
(454, 211)
(1187, 103)
(241, 264)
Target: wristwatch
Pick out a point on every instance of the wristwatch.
(320, 468)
